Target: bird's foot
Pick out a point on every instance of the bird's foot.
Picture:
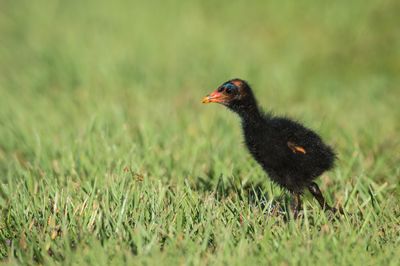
(297, 214)
(338, 210)
(296, 205)
(335, 212)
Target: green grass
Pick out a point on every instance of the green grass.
(108, 157)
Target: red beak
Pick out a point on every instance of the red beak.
(215, 97)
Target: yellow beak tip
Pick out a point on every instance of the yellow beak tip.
(206, 100)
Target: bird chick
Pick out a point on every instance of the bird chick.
(291, 154)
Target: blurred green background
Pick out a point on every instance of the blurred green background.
(89, 89)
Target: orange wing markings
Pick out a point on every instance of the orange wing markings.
(296, 148)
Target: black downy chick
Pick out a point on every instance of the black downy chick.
(291, 154)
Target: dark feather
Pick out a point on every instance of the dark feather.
(267, 139)
(292, 154)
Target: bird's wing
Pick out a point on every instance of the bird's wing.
(296, 148)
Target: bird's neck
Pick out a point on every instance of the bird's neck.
(249, 113)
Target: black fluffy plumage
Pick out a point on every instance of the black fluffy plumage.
(291, 154)
(273, 140)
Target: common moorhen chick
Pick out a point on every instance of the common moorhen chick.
(291, 154)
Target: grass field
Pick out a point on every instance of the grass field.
(107, 155)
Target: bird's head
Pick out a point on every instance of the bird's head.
(236, 94)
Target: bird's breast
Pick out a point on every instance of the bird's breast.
(266, 147)
(259, 147)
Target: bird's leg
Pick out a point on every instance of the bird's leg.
(316, 192)
(296, 204)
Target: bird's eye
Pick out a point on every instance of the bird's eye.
(221, 89)
(229, 88)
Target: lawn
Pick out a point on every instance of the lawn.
(108, 157)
